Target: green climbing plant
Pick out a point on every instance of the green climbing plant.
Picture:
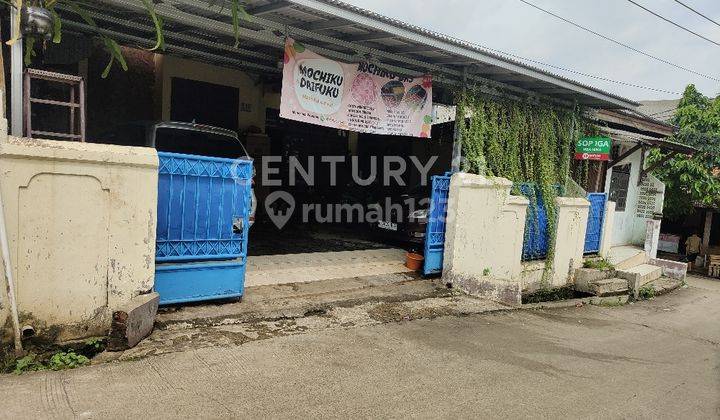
(526, 143)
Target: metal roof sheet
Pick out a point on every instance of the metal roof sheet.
(349, 33)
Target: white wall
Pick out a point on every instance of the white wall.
(81, 228)
(484, 237)
(629, 228)
(485, 234)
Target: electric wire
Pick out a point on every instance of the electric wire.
(696, 12)
(672, 23)
(622, 44)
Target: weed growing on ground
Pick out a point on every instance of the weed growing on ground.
(598, 264)
(54, 357)
(29, 363)
(69, 360)
(93, 346)
(646, 292)
(58, 361)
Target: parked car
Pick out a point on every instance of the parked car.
(180, 137)
(404, 217)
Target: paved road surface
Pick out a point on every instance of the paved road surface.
(654, 359)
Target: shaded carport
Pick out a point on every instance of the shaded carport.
(331, 28)
(334, 29)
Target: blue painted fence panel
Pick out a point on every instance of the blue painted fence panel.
(535, 245)
(596, 217)
(203, 216)
(194, 282)
(199, 200)
(435, 233)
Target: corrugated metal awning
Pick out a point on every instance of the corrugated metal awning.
(342, 32)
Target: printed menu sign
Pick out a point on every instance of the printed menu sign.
(593, 148)
(359, 97)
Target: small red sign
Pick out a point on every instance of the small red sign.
(592, 156)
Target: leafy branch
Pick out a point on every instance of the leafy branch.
(692, 180)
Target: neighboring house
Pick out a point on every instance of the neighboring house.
(661, 110)
(628, 181)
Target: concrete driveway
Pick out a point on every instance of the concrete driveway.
(653, 359)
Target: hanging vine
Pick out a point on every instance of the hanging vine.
(526, 143)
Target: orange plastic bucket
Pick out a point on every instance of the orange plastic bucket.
(414, 261)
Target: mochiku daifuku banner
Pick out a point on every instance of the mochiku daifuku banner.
(358, 97)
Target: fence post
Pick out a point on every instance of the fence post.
(606, 237)
(572, 217)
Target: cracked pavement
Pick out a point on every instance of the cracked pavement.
(654, 359)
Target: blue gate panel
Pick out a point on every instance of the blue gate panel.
(596, 217)
(435, 233)
(535, 245)
(199, 200)
(193, 282)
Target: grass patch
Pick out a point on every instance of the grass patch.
(598, 264)
(53, 357)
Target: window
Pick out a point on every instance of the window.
(619, 182)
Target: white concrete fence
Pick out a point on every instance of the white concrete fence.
(81, 223)
(485, 234)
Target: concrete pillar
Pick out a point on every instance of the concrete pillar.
(572, 217)
(706, 231)
(607, 229)
(484, 238)
(652, 237)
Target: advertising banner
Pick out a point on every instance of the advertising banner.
(359, 97)
(593, 148)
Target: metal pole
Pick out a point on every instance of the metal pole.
(8, 274)
(16, 76)
(457, 141)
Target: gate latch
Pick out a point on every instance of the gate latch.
(238, 225)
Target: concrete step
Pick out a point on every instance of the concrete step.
(609, 287)
(584, 277)
(665, 285)
(624, 258)
(640, 275)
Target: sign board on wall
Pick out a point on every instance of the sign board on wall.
(360, 97)
(593, 148)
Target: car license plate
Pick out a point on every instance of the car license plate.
(387, 225)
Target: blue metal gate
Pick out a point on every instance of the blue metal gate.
(435, 233)
(596, 217)
(202, 229)
(535, 244)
